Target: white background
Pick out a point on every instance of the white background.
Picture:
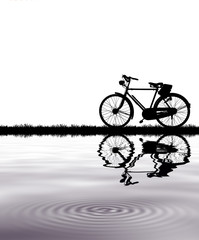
(60, 58)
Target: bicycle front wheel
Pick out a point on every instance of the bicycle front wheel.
(116, 151)
(113, 114)
(174, 100)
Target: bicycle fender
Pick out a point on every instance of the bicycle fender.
(177, 94)
(130, 103)
(188, 103)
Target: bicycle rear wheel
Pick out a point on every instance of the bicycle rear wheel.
(182, 153)
(182, 106)
(114, 115)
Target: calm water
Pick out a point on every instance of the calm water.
(100, 187)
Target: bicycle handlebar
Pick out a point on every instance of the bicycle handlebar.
(129, 78)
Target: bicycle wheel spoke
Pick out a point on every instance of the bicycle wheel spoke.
(181, 107)
(114, 102)
(122, 118)
(122, 112)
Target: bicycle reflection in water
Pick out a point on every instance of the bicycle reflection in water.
(167, 153)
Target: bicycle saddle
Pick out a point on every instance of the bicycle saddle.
(155, 85)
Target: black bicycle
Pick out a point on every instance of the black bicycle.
(170, 109)
(167, 152)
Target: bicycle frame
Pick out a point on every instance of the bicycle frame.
(135, 100)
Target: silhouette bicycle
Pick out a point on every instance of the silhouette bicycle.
(170, 109)
(167, 153)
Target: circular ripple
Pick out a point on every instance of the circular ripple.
(97, 216)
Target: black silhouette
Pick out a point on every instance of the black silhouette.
(84, 130)
(168, 152)
(170, 109)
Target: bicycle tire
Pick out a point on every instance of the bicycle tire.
(116, 151)
(181, 156)
(119, 119)
(177, 101)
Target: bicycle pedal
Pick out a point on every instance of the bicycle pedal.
(141, 121)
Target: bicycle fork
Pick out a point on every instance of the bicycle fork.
(116, 110)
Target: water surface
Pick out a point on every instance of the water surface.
(99, 187)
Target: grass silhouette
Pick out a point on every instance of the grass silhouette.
(84, 130)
